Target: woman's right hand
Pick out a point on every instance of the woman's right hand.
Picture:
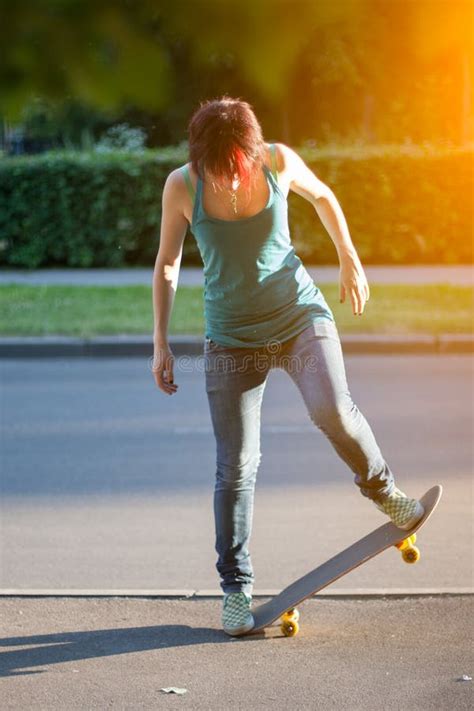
(162, 368)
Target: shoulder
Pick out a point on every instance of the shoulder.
(176, 194)
(176, 180)
(284, 165)
(286, 157)
(175, 191)
(177, 176)
(299, 176)
(291, 164)
(288, 161)
(272, 148)
(187, 171)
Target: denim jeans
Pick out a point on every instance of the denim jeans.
(235, 381)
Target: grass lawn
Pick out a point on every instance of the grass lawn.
(105, 310)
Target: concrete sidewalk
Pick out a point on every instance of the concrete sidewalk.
(362, 654)
(460, 275)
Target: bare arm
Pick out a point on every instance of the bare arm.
(165, 278)
(304, 182)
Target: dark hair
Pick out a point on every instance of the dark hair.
(225, 138)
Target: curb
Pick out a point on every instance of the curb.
(191, 345)
(349, 593)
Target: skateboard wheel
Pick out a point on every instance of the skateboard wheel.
(292, 615)
(290, 628)
(411, 554)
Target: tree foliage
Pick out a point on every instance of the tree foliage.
(386, 68)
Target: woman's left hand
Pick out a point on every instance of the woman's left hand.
(352, 280)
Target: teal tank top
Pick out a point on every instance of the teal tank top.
(256, 288)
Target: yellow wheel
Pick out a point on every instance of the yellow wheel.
(411, 554)
(292, 615)
(290, 628)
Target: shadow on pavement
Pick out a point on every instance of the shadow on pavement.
(57, 648)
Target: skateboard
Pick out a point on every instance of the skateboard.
(284, 604)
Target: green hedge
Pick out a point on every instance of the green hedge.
(80, 209)
(402, 206)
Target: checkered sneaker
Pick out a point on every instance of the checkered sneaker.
(236, 615)
(403, 511)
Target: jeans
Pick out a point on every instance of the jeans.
(235, 381)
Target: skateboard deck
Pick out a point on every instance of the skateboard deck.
(284, 604)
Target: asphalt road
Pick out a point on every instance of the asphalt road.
(107, 482)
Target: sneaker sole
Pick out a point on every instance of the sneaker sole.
(235, 631)
(419, 513)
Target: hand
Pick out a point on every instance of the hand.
(352, 279)
(162, 369)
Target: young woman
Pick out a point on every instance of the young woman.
(262, 310)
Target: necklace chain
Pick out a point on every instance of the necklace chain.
(232, 193)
